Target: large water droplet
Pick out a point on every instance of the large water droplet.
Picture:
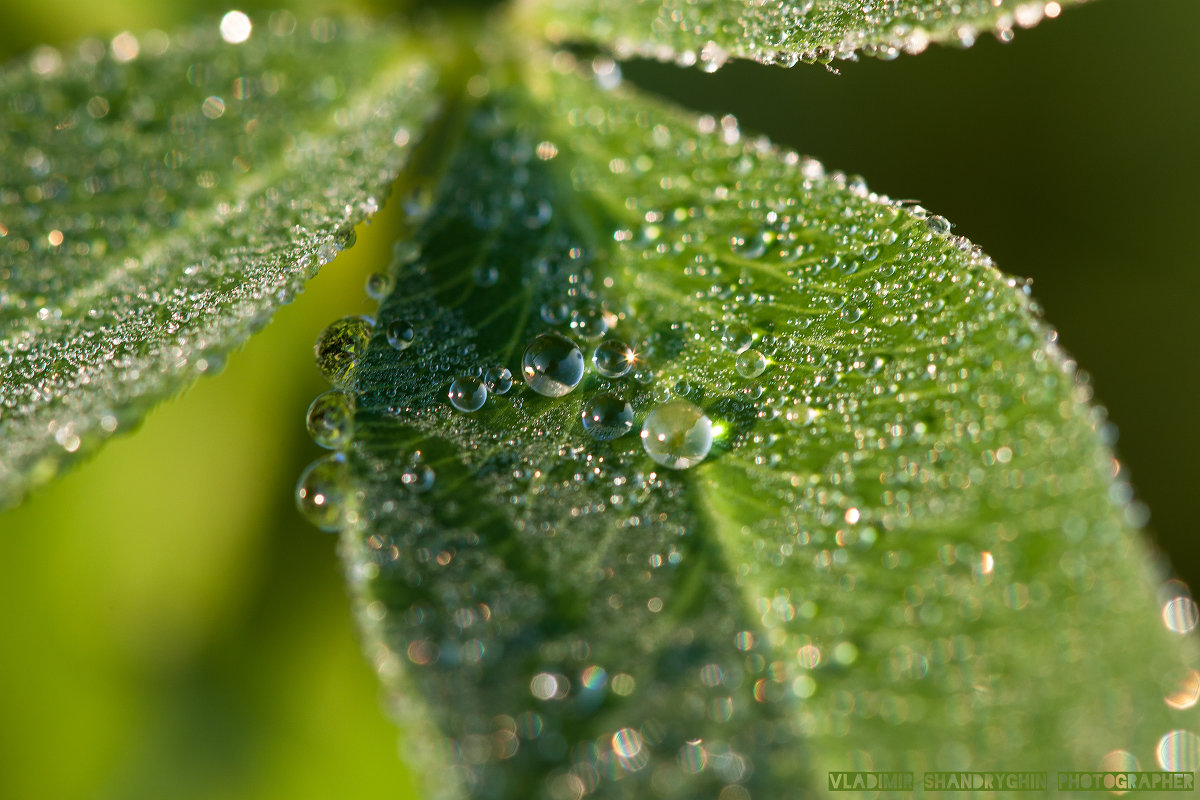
(319, 494)
(607, 416)
(400, 334)
(339, 346)
(677, 434)
(467, 393)
(736, 337)
(750, 363)
(552, 365)
(613, 358)
(330, 420)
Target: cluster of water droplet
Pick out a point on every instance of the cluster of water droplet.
(147, 227)
(875, 390)
(787, 33)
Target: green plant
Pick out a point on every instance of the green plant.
(911, 486)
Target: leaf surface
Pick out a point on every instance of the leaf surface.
(904, 551)
(161, 197)
(711, 31)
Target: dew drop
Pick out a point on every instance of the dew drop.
(606, 416)
(589, 323)
(749, 243)
(613, 358)
(330, 420)
(750, 364)
(400, 334)
(319, 492)
(498, 379)
(418, 478)
(555, 313)
(552, 365)
(467, 393)
(736, 337)
(379, 285)
(339, 346)
(677, 434)
(485, 276)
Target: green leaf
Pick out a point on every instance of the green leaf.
(905, 550)
(161, 197)
(711, 31)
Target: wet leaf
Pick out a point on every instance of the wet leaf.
(160, 197)
(711, 31)
(905, 549)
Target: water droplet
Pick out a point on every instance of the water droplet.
(498, 379)
(750, 243)
(750, 364)
(339, 346)
(418, 478)
(555, 313)
(467, 393)
(400, 334)
(589, 323)
(677, 434)
(613, 358)
(330, 420)
(379, 285)
(552, 365)
(938, 225)
(319, 492)
(606, 416)
(736, 337)
(485, 276)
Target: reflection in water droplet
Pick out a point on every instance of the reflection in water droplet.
(552, 365)
(613, 358)
(1180, 614)
(677, 434)
(736, 337)
(1179, 751)
(467, 393)
(319, 492)
(750, 363)
(339, 346)
(606, 416)
(330, 420)
(498, 379)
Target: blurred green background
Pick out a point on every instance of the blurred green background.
(172, 628)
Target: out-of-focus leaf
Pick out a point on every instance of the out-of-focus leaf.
(711, 31)
(161, 196)
(906, 549)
